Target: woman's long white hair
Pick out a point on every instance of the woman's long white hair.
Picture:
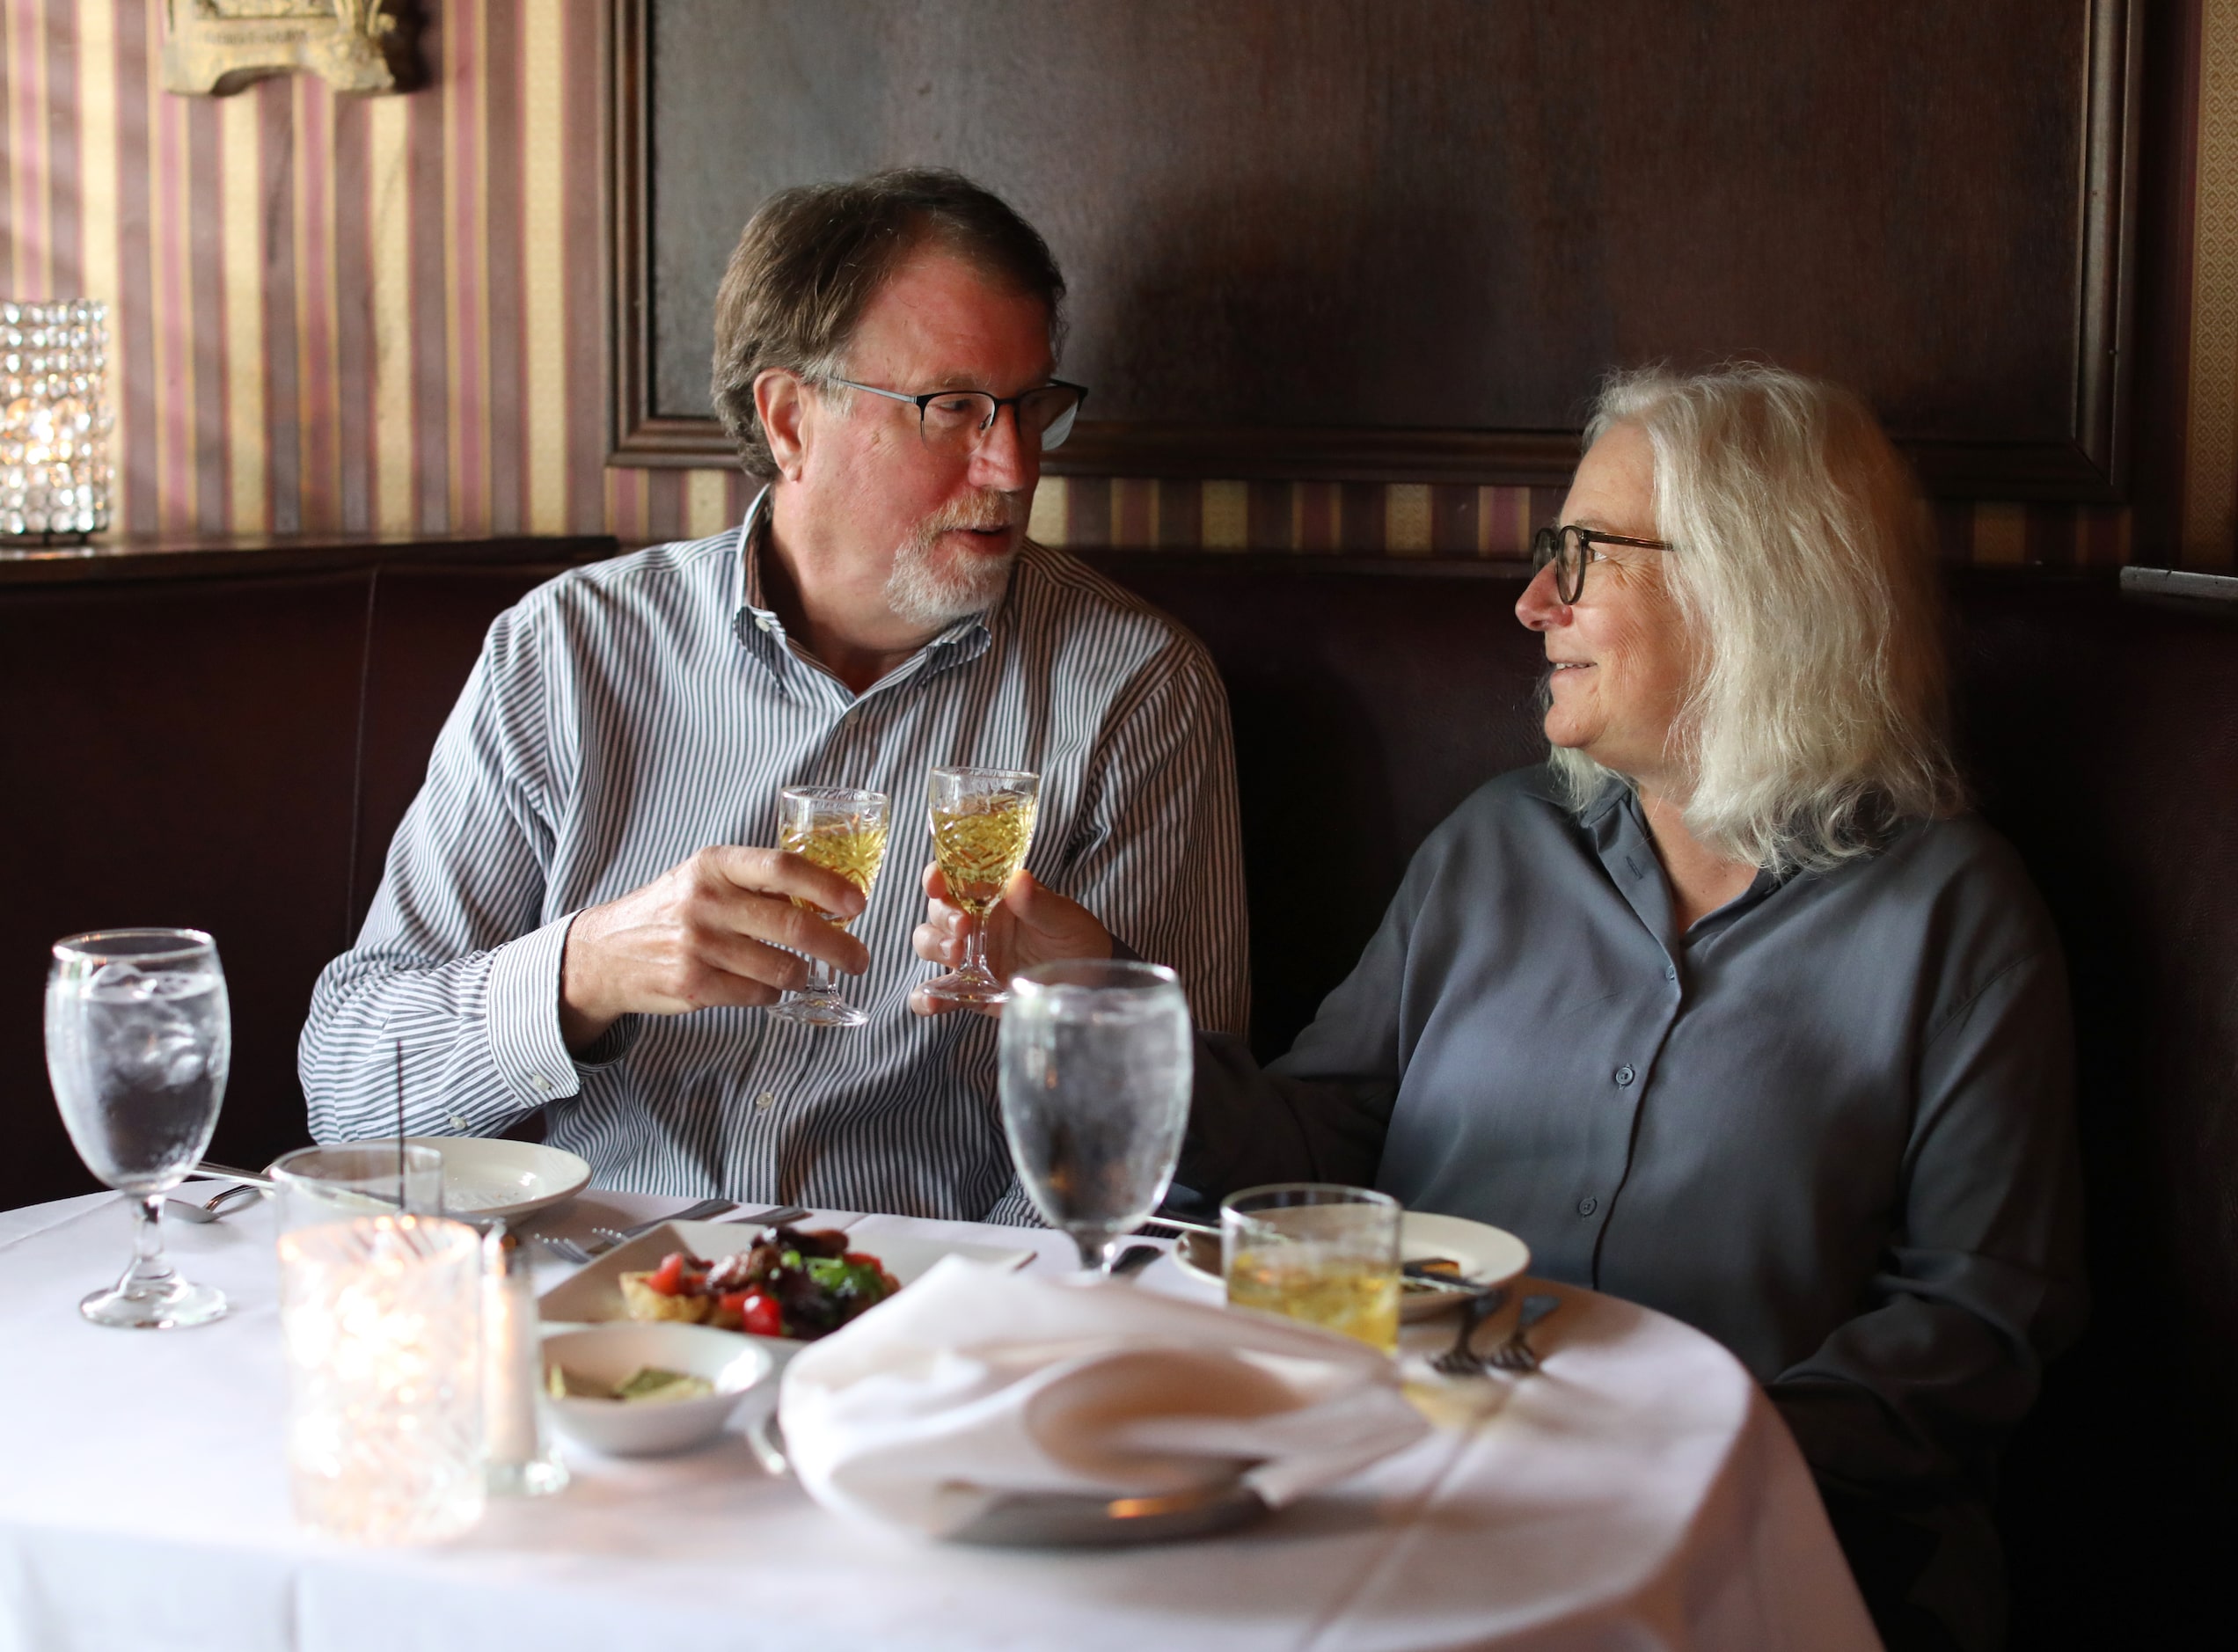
(1802, 567)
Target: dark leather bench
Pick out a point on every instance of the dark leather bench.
(233, 749)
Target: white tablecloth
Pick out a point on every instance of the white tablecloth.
(1638, 1493)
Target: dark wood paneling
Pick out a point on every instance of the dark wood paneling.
(1401, 239)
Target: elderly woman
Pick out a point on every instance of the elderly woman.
(1729, 1008)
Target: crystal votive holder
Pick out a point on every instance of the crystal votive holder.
(55, 418)
(380, 1318)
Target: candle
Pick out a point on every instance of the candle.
(380, 1318)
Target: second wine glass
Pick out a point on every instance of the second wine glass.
(983, 823)
(843, 831)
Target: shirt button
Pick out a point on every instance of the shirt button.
(1587, 1205)
(458, 1122)
(543, 1083)
(1670, 972)
(764, 1102)
(1625, 1075)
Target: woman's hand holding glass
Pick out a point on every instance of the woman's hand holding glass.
(1033, 925)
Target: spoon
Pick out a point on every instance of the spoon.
(211, 1209)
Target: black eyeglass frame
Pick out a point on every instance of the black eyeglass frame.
(1080, 393)
(1550, 545)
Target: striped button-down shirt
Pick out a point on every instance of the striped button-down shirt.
(629, 714)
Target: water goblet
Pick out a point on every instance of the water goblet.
(983, 823)
(138, 1042)
(843, 831)
(1095, 1065)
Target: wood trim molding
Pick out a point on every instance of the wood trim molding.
(2090, 466)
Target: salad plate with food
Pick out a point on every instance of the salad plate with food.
(790, 1284)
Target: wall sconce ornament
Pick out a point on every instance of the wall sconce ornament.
(54, 419)
(219, 45)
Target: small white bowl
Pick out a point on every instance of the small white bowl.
(610, 1353)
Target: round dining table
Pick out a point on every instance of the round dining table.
(1638, 1492)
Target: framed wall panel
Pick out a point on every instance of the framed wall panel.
(1401, 240)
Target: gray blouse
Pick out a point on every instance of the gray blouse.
(1830, 1125)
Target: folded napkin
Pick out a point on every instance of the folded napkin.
(977, 1382)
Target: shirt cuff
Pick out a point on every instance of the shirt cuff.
(522, 1014)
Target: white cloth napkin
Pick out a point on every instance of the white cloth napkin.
(975, 1382)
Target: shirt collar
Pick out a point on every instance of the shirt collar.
(1617, 829)
(967, 639)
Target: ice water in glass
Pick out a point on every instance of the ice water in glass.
(1095, 1068)
(138, 1042)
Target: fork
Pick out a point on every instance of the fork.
(698, 1212)
(566, 1249)
(1457, 1361)
(1515, 1354)
(778, 1218)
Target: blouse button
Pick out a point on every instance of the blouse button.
(1587, 1205)
(1625, 1075)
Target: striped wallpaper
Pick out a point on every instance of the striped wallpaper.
(384, 313)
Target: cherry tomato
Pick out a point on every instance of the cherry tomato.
(762, 1316)
(860, 1259)
(668, 1278)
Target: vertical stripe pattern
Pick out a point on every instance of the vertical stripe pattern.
(635, 711)
(380, 312)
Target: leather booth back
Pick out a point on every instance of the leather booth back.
(188, 752)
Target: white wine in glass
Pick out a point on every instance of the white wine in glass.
(843, 831)
(983, 823)
(139, 1041)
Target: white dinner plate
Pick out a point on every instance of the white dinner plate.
(592, 1295)
(1488, 1256)
(486, 1176)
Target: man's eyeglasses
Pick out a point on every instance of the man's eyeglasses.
(959, 420)
(1566, 548)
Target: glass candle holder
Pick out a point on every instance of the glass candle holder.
(380, 1318)
(55, 418)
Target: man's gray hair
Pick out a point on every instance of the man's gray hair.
(811, 259)
(1803, 568)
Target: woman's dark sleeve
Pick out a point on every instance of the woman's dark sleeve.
(1982, 1282)
(1318, 1114)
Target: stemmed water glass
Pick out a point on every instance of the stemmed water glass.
(138, 1041)
(1096, 1067)
(983, 823)
(843, 831)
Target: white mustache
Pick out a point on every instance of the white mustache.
(998, 512)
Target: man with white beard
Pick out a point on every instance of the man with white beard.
(582, 912)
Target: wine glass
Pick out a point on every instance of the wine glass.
(138, 1041)
(844, 831)
(1095, 1070)
(983, 823)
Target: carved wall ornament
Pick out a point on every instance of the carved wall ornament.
(219, 45)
